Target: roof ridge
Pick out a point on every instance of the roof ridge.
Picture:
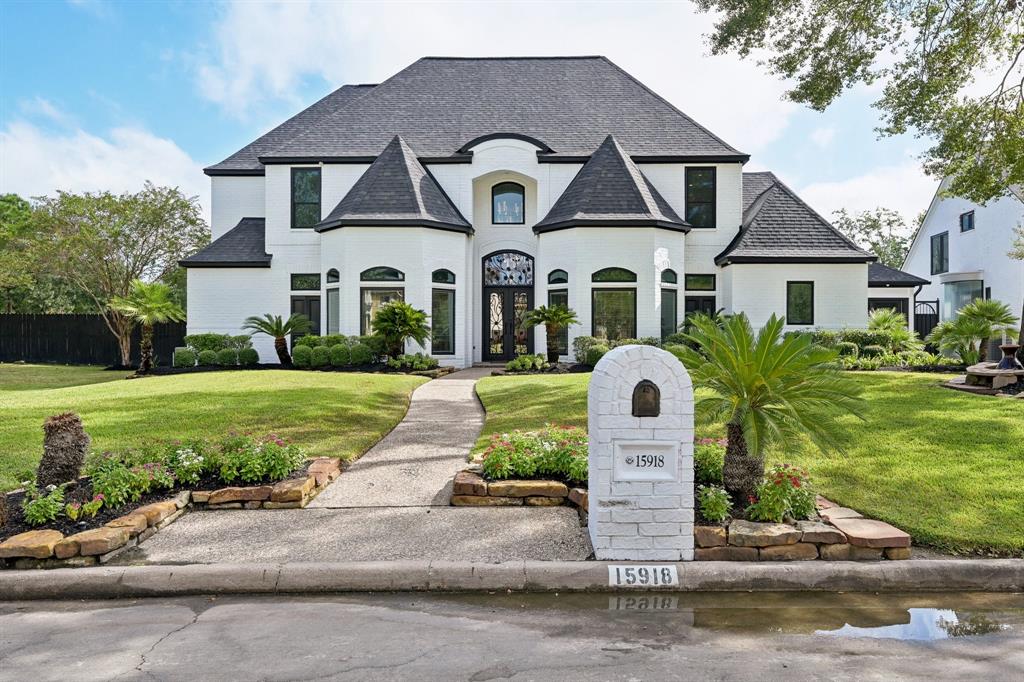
(757, 204)
(630, 167)
(514, 57)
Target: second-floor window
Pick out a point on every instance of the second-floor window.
(940, 253)
(508, 204)
(700, 197)
(967, 221)
(305, 197)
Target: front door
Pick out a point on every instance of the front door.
(505, 335)
(310, 307)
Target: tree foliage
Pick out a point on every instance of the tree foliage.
(148, 304)
(930, 55)
(279, 329)
(881, 231)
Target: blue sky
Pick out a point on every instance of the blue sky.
(104, 95)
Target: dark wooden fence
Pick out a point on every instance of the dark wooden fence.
(77, 340)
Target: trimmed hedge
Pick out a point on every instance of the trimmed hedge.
(208, 358)
(248, 357)
(302, 356)
(227, 357)
(184, 357)
(320, 357)
(341, 355)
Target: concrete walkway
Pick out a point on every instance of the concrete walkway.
(390, 504)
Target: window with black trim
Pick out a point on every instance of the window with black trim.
(799, 302)
(333, 310)
(940, 253)
(443, 277)
(699, 282)
(699, 304)
(700, 196)
(372, 300)
(305, 197)
(669, 312)
(333, 276)
(669, 276)
(560, 297)
(613, 275)
(508, 204)
(967, 221)
(613, 313)
(382, 274)
(442, 321)
(558, 277)
(306, 281)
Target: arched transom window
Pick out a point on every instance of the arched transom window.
(508, 204)
(613, 275)
(443, 277)
(382, 274)
(508, 269)
(333, 276)
(558, 277)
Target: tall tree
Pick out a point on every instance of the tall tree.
(929, 55)
(103, 242)
(15, 256)
(882, 232)
(148, 304)
(1017, 252)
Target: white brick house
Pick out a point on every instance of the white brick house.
(476, 189)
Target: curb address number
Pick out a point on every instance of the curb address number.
(657, 575)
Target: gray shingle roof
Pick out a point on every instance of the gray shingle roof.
(779, 227)
(396, 190)
(883, 276)
(246, 159)
(438, 104)
(242, 246)
(610, 191)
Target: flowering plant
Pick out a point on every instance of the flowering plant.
(249, 459)
(713, 502)
(785, 491)
(78, 510)
(557, 451)
(39, 508)
(188, 461)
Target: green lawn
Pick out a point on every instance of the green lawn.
(19, 377)
(325, 413)
(945, 466)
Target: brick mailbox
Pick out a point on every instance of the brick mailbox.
(640, 423)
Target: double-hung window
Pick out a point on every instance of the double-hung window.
(700, 196)
(305, 197)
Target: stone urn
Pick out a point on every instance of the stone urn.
(1009, 360)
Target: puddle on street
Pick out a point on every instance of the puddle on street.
(908, 617)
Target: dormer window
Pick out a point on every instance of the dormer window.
(508, 204)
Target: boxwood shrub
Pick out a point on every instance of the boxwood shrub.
(208, 358)
(302, 355)
(341, 355)
(847, 349)
(184, 357)
(227, 357)
(248, 357)
(360, 354)
(595, 353)
(320, 357)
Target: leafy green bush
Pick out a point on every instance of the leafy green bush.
(376, 346)
(675, 339)
(397, 322)
(581, 345)
(786, 491)
(416, 362)
(243, 458)
(341, 356)
(240, 342)
(645, 341)
(595, 353)
(302, 355)
(247, 357)
(184, 357)
(527, 363)
(189, 461)
(847, 349)
(708, 461)
(120, 483)
(361, 354)
(872, 351)
(713, 502)
(332, 340)
(39, 508)
(556, 451)
(309, 340)
(208, 358)
(209, 341)
(227, 357)
(894, 340)
(321, 357)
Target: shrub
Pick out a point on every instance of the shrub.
(302, 355)
(321, 357)
(184, 357)
(341, 356)
(332, 340)
(847, 349)
(188, 461)
(595, 353)
(310, 340)
(645, 341)
(375, 344)
(38, 508)
(248, 357)
(214, 342)
(240, 342)
(555, 451)
(416, 362)
(675, 339)
(243, 458)
(397, 322)
(872, 351)
(65, 444)
(360, 354)
(708, 461)
(785, 491)
(581, 345)
(117, 482)
(714, 503)
(208, 358)
(228, 357)
(527, 363)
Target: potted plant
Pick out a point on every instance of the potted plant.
(554, 318)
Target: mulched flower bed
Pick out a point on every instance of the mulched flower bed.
(379, 368)
(560, 368)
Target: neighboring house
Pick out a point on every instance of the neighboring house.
(476, 189)
(897, 290)
(962, 249)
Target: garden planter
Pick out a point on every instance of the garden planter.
(1009, 360)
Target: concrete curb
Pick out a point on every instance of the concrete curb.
(107, 582)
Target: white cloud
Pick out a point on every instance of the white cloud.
(265, 51)
(36, 161)
(822, 137)
(904, 188)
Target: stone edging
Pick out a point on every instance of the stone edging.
(293, 493)
(470, 489)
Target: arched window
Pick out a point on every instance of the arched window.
(382, 274)
(443, 277)
(333, 276)
(508, 269)
(613, 275)
(508, 204)
(669, 276)
(558, 277)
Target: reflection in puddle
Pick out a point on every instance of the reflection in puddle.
(925, 625)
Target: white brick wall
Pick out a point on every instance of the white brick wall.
(640, 520)
(233, 198)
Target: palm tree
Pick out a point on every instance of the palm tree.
(554, 318)
(886, 319)
(280, 329)
(995, 316)
(962, 337)
(148, 304)
(398, 321)
(771, 390)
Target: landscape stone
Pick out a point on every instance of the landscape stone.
(485, 501)
(527, 489)
(823, 503)
(324, 470)
(543, 501)
(821, 533)
(253, 504)
(710, 536)
(725, 554)
(897, 553)
(134, 523)
(225, 505)
(801, 551)
(71, 562)
(157, 512)
(171, 519)
(580, 497)
(99, 540)
(283, 505)
(468, 483)
(755, 534)
(181, 500)
(871, 533)
(234, 494)
(201, 496)
(832, 513)
(293, 490)
(847, 552)
(67, 548)
(37, 544)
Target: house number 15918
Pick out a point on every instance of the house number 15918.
(642, 576)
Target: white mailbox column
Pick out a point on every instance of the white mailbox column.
(641, 467)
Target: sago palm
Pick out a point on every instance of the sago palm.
(148, 304)
(771, 390)
(554, 318)
(280, 329)
(398, 321)
(886, 319)
(963, 337)
(994, 316)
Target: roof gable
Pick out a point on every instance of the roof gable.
(396, 190)
(610, 190)
(243, 246)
